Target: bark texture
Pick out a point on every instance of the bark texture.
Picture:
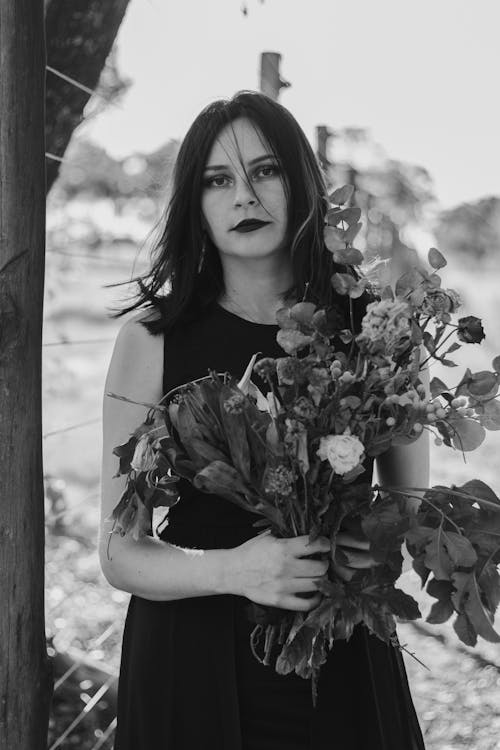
(80, 35)
(25, 672)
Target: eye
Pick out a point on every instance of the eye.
(218, 180)
(267, 170)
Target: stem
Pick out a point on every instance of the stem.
(443, 515)
(433, 355)
(465, 495)
(306, 505)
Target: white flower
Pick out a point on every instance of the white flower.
(144, 455)
(343, 452)
(267, 403)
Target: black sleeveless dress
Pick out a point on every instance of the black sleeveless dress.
(188, 680)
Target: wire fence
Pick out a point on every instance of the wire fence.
(80, 658)
(54, 519)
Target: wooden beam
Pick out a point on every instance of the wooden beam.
(25, 675)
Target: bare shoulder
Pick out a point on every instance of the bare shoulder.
(136, 366)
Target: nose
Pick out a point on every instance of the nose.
(243, 194)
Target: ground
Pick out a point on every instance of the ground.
(457, 701)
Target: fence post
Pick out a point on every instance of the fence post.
(271, 81)
(25, 674)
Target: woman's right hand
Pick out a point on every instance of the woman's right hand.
(276, 572)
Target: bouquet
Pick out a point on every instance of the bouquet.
(296, 457)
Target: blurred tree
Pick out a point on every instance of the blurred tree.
(80, 35)
(471, 230)
(92, 173)
(391, 194)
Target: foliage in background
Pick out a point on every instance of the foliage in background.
(471, 230)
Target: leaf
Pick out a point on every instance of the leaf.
(334, 239)
(285, 320)
(384, 527)
(402, 604)
(480, 618)
(466, 434)
(303, 312)
(441, 611)
(206, 451)
(352, 232)
(478, 488)
(459, 549)
(351, 215)
(188, 428)
(437, 387)
(407, 282)
(379, 620)
(490, 418)
(419, 536)
(436, 259)
(489, 581)
(436, 557)
(465, 630)
(428, 341)
(483, 383)
(496, 363)
(341, 195)
(349, 256)
(221, 479)
(235, 429)
(343, 282)
(461, 389)
(439, 589)
(453, 348)
(421, 568)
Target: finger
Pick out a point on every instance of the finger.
(303, 585)
(356, 559)
(302, 568)
(348, 540)
(300, 603)
(342, 572)
(300, 545)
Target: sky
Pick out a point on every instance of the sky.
(422, 76)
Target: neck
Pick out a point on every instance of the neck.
(256, 289)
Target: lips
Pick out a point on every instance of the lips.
(249, 225)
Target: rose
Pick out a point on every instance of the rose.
(343, 452)
(144, 455)
(470, 330)
(439, 301)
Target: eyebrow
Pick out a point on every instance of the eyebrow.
(258, 159)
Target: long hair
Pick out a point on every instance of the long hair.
(185, 259)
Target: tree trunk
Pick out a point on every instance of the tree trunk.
(80, 34)
(25, 675)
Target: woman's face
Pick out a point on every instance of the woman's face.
(229, 197)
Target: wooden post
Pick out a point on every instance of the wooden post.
(25, 675)
(270, 79)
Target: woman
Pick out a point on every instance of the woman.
(242, 237)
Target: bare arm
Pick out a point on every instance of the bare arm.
(264, 569)
(407, 465)
(149, 568)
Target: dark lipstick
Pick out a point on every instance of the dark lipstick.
(249, 225)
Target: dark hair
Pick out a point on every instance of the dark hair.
(184, 256)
